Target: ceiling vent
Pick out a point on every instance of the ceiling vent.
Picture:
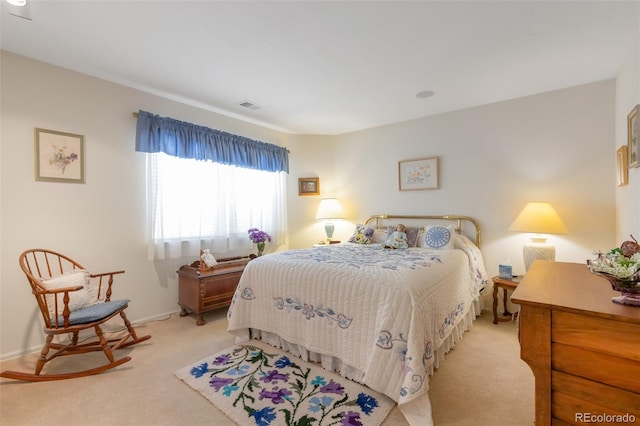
(250, 105)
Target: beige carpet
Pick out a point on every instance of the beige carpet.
(482, 382)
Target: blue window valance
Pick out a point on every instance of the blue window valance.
(186, 140)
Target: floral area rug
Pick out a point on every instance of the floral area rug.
(256, 384)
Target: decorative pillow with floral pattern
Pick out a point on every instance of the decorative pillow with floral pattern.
(362, 234)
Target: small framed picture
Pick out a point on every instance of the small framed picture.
(621, 165)
(633, 135)
(418, 174)
(59, 156)
(309, 186)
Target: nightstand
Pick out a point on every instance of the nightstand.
(326, 243)
(505, 284)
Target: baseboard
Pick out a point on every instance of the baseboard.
(107, 329)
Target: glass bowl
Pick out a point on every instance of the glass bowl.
(630, 289)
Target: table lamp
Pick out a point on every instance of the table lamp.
(538, 218)
(329, 209)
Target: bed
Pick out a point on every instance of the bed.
(379, 316)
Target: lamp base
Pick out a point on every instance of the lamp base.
(536, 250)
(329, 227)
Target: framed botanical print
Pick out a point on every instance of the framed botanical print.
(418, 174)
(59, 156)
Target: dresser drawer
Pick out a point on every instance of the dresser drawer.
(599, 334)
(596, 366)
(572, 396)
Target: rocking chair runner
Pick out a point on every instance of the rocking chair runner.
(70, 301)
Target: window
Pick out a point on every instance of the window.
(194, 204)
(206, 188)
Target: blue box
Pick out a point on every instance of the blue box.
(505, 271)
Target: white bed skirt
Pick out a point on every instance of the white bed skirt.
(416, 411)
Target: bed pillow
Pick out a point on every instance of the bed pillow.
(379, 236)
(77, 299)
(412, 234)
(462, 242)
(476, 261)
(362, 234)
(439, 237)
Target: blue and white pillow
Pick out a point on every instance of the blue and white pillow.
(439, 237)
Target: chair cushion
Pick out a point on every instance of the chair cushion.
(78, 299)
(94, 312)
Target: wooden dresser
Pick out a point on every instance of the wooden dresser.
(201, 291)
(583, 349)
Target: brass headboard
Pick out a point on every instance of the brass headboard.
(454, 218)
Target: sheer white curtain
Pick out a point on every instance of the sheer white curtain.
(196, 204)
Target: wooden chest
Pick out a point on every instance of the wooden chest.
(583, 349)
(204, 290)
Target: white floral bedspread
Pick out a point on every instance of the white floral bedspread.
(382, 312)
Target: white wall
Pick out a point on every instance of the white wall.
(555, 146)
(552, 147)
(101, 223)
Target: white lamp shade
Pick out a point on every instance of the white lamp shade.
(329, 209)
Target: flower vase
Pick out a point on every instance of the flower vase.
(260, 249)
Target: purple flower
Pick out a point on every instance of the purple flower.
(307, 310)
(258, 236)
(332, 387)
(273, 376)
(218, 382)
(350, 419)
(222, 359)
(277, 396)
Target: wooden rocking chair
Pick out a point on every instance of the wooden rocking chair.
(71, 301)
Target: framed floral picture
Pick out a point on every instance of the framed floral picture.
(309, 186)
(633, 135)
(59, 156)
(418, 174)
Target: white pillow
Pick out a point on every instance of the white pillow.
(77, 299)
(439, 237)
(379, 236)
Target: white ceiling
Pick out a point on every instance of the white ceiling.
(330, 67)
